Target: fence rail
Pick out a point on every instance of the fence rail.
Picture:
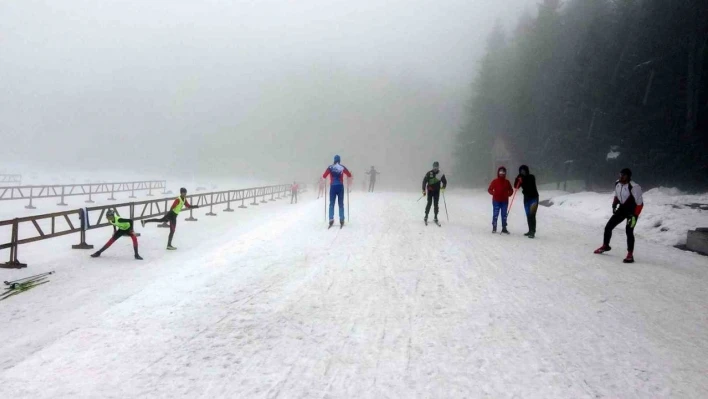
(71, 190)
(84, 219)
(10, 179)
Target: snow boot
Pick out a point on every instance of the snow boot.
(138, 257)
(331, 222)
(494, 229)
(505, 231)
(96, 254)
(629, 258)
(142, 222)
(531, 235)
(603, 249)
(171, 248)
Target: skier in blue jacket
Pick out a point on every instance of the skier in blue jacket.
(336, 172)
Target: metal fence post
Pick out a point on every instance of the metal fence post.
(30, 206)
(211, 206)
(62, 198)
(191, 217)
(14, 263)
(84, 226)
(228, 202)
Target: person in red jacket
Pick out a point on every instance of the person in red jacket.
(500, 189)
(293, 192)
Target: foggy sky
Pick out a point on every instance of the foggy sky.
(251, 88)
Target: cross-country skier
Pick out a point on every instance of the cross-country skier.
(122, 227)
(372, 179)
(293, 192)
(171, 215)
(500, 189)
(527, 182)
(336, 172)
(627, 205)
(434, 182)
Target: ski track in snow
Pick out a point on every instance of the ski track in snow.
(268, 303)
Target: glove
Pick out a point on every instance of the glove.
(423, 193)
(631, 221)
(614, 208)
(442, 189)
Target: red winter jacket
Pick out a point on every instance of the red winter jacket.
(500, 189)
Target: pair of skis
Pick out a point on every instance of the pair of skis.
(19, 286)
(434, 221)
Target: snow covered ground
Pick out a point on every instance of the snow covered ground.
(265, 302)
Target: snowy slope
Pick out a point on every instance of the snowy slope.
(266, 302)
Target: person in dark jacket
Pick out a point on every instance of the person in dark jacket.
(527, 182)
(500, 189)
(434, 182)
(627, 205)
(122, 227)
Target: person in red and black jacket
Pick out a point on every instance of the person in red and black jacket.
(500, 189)
(171, 215)
(627, 205)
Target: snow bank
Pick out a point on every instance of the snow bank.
(667, 216)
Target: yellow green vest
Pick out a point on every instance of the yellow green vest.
(179, 206)
(119, 225)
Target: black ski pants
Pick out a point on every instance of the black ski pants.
(433, 197)
(170, 217)
(619, 217)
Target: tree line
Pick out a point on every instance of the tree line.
(605, 84)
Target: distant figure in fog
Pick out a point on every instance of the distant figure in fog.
(372, 178)
(293, 192)
(321, 184)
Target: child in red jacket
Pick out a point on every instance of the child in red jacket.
(500, 189)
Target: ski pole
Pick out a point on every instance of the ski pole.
(511, 203)
(350, 216)
(28, 278)
(508, 212)
(421, 197)
(445, 203)
(325, 201)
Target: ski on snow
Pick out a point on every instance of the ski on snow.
(20, 287)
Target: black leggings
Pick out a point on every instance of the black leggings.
(614, 221)
(169, 217)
